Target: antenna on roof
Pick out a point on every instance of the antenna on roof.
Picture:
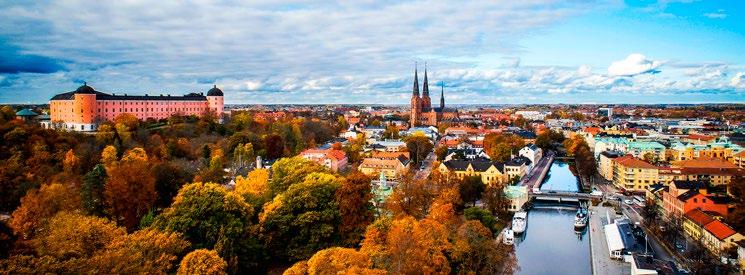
(85, 83)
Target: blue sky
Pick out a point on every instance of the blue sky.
(533, 51)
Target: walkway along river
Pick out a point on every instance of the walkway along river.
(550, 245)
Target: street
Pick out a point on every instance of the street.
(426, 167)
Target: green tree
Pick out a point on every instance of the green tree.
(289, 171)
(92, 191)
(483, 216)
(303, 219)
(441, 152)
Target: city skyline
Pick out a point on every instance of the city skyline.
(300, 52)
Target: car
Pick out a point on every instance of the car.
(629, 202)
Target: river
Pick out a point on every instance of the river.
(550, 245)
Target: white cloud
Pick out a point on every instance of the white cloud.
(634, 64)
(719, 14)
(738, 81)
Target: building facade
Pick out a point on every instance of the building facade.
(422, 112)
(84, 108)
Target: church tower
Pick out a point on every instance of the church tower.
(426, 101)
(442, 98)
(416, 102)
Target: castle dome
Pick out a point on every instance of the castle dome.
(85, 89)
(214, 91)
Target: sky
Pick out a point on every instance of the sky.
(313, 52)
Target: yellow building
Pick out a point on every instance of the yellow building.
(605, 164)
(391, 168)
(718, 237)
(633, 174)
(491, 173)
(694, 222)
(739, 159)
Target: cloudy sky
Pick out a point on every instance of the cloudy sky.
(274, 51)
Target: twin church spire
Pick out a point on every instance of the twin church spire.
(425, 103)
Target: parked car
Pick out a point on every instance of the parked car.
(628, 202)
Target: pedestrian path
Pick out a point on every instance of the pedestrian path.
(602, 264)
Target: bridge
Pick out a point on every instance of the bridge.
(534, 179)
(562, 196)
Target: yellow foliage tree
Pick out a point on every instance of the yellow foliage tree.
(202, 261)
(39, 205)
(256, 183)
(71, 162)
(69, 235)
(108, 155)
(135, 155)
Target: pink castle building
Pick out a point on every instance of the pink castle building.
(84, 108)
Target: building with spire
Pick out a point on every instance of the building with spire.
(422, 112)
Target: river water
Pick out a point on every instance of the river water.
(550, 244)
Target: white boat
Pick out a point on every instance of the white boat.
(580, 220)
(508, 237)
(519, 222)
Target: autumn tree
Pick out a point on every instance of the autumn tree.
(211, 217)
(410, 198)
(92, 191)
(109, 155)
(202, 261)
(470, 189)
(500, 147)
(289, 171)
(475, 251)
(303, 219)
(355, 207)
(39, 205)
(147, 251)
(169, 177)
(441, 152)
(335, 260)
(483, 216)
(254, 188)
(130, 189)
(419, 147)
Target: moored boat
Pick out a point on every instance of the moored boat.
(519, 222)
(581, 218)
(508, 237)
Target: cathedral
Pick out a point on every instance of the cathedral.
(422, 112)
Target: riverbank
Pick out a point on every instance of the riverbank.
(602, 264)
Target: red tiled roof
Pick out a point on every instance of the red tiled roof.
(593, 130)
(719, 229)
(699, 217)
(336, 154)
(701, 137)
(632, 162)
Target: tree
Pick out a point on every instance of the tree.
(336, 260)
(169, 177)
(130, 189)
(202, 261)
(650, 157)
(70, 236)
(355, 207)
(419, 147)
(302, 219)
(441, 152)
(474, 251)
(470, 189)
(409, 198)
(213, 218)
(71, 163)
(92, 191)
(39, 205)
(109, 155)
(500, 147)
(146, 251)
(289, 171)
(483, 216)
(494, 200)
(650, 213)
(391, 132)
(203, 212)
(255, 184)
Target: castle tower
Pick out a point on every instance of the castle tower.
(215, 102)
(416, 103)
(84, 109)
(426, 101)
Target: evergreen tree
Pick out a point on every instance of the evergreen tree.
(91, 192)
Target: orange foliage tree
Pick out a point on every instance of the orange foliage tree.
(130, 189)
(355, 207)
(39, 205)
(202, 261)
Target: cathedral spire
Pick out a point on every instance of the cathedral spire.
(425, 87)
(442, 97)
(416, 81)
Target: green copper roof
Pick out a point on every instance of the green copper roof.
(26, 112)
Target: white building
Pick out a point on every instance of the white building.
(532, 152)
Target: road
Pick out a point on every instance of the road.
(426, 167)
(531, 179)
(602, 264)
